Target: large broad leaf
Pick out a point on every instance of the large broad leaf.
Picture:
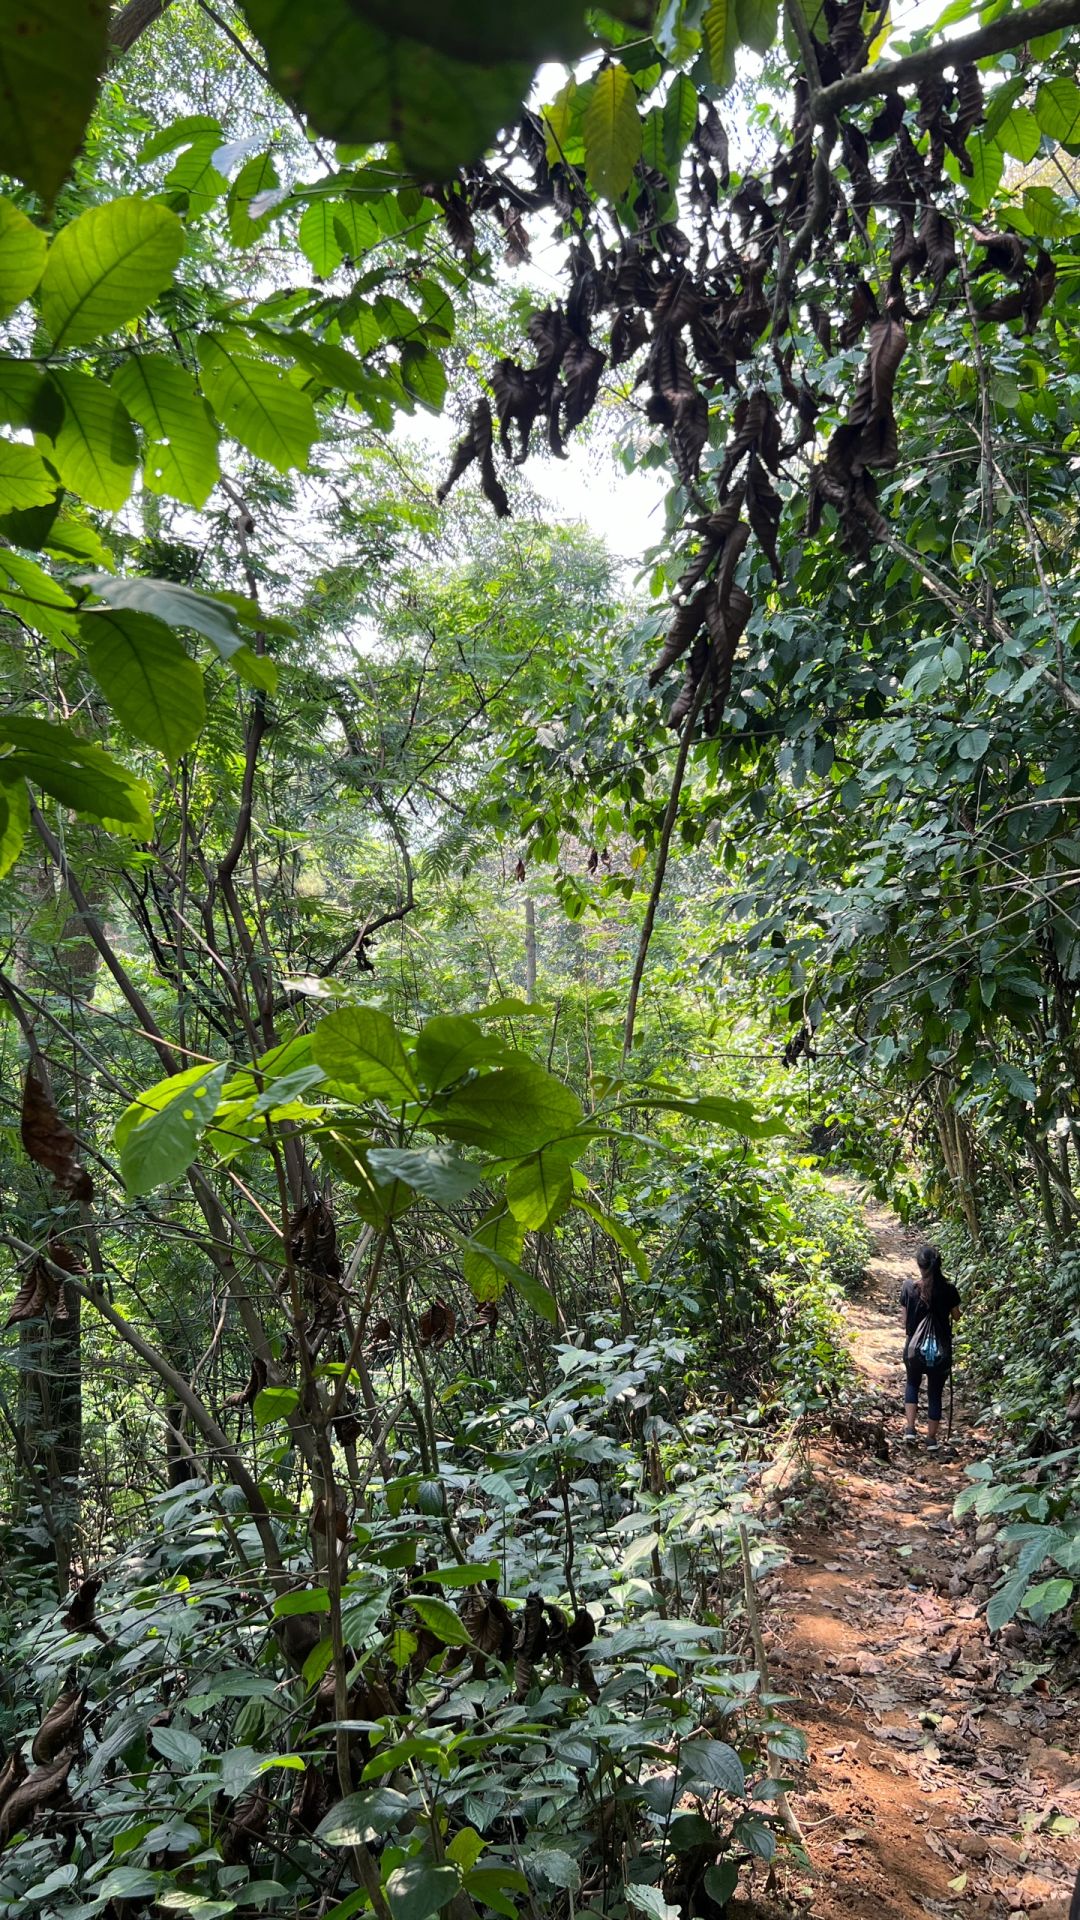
(616, 1230)
(181, 453)
(679, 118)
(425, 376)
(36, 598)
(494, 1269)
(254, 198)
(720, 35)
(450, 1046)
(513, 1111)
(501, 29)
(195, 173)
(215, 616)
(258, 405)
(153, 686)
(437, 1172)
(363, 1817)
(51, 53)
(94, 450)
(359, 83)
(14, 823)
(718, 1109)
(74, 772)
(612, 132)
(1057, 108)
(107, 266)
(538, 1189)
(418, 1891)
(757, 23)
(500, 1234)
(358, 1048)
(25, 481)
(23, 249)
(162, 1147)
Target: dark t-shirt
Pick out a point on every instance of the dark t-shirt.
(945, 1299)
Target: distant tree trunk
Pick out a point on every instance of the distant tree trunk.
(530, 951)
(958, 1153)
(61, 973)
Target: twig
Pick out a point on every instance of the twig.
(783, 1808)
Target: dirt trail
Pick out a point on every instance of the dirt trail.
(930, 1786)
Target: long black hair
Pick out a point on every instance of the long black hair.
(931, 1278)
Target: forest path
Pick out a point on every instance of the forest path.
(930, 1787)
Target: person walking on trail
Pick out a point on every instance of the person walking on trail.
(930, 1304)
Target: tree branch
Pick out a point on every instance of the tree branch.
(1012, 30)
(132, 22)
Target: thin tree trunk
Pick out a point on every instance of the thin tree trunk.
(530, 951)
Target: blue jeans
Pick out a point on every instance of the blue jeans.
(935, 1384)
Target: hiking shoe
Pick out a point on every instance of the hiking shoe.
(911, 1439)
(933, 1446)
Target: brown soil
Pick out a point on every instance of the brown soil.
(931, 1786)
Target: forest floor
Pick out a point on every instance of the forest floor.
(943, 1771)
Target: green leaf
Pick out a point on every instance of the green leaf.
(357, 83)
(1003, 1603)
(178, 133)
(1049, 1597)
(363, 1817)
(14, 823)
(309, 1599)
(465, 1848)
(436, 1172)
(502, 1235)
(274, 1403)
(988, 165)
(425, 376)
(195, 174)
(1057, 108)
(25, 481)
(650, 1900)
(175, 1744)
(94, 450)
(358, 1047)
(256, 177)
(1019, 134)
(622, 1236)
(720, 1882)
(214, 616)
(538, 1189)
(612, 132)
(718, 1109)
(23, 250)
(720, 34)
(36, 598)
(180, 457)
(161, 1148)
(107, 266)
(318, 238)
(417, 1890)
(712, 1763)
(513, 1111)
(441, 1619)
(76, 773)
(756, 21)
(154, 687)
(51, 53)
(679, 118)
(23, 388)
(258, 405)
(450, 1046)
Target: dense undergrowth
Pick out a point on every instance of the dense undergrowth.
(540, 1596)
